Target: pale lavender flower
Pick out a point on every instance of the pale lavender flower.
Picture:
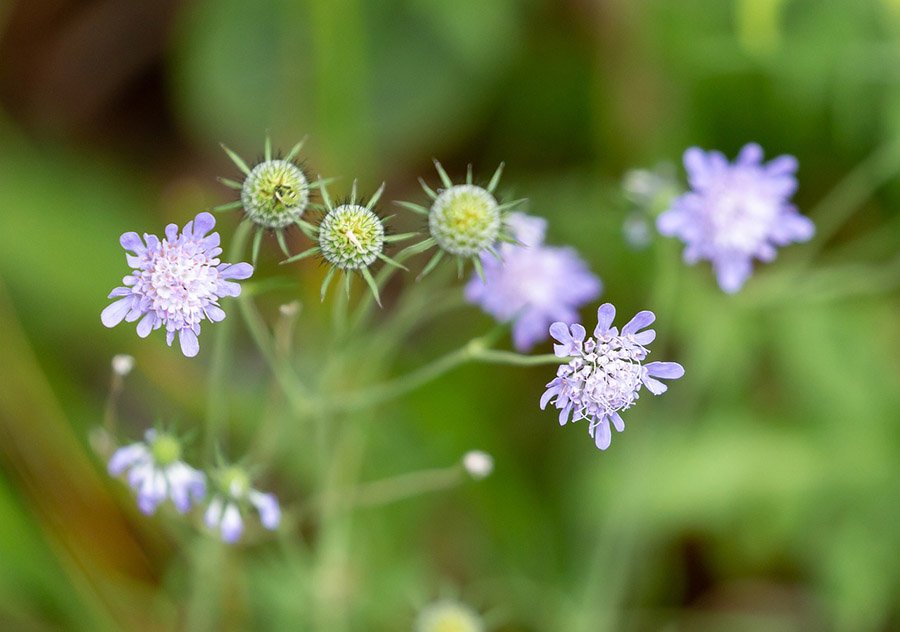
(226, 509)
(736, 212)
(175, 283)
(155, 472)
(604, 374)
(532, 284)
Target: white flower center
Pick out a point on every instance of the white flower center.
(740, 215)
(180, 280)
(606, 377)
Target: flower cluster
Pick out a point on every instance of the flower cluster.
(532, 284)
(175, 283)
(155, 471)
(604, 374)
(735, 212)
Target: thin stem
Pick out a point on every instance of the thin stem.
(396, 488)
(833, 211)
(476, 350)
(216, 400)
(293, 389)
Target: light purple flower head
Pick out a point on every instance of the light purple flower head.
(604, 374)
(735, 212)
(176, 282)
(532, 284)
(155, 472)
(225, 511)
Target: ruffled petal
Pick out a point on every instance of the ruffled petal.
(203, 223)
(132, 241)
(641, 319)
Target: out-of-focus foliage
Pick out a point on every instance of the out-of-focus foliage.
(762, 492)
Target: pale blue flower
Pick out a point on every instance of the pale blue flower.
(532, 284)
(155, 472)
(735, 212)
(225, 512)
(175, 283)
(604, 374)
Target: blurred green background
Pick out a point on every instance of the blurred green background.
(762, 492)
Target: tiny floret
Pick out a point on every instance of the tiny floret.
(234, 498)
(465, 220)
(175, 283)
(478, 464)
(532, 284)
(275, 193)
(351, 237)
(448, 616)
(604, 374)
(736, 212)
(156, 472)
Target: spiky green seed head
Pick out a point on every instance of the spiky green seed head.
(351, 237)
(464, 220)
(165, 449)
(275, 193)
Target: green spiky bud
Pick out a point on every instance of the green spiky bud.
(351, 237)
(165, 449)
(465, 220)
(275, 193)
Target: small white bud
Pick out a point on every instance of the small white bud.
(290, 309)
(122, 364)
(478, 464)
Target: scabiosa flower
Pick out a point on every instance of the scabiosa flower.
(532, 284)
(465, 220)
(274, 193)
(235, 497)
(175, 283)
(156, 472)
(604, 374)
(735, 212)
(350, 238)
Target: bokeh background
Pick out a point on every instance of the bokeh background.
(762, 492)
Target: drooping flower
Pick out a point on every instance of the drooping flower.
(235, 497)
(736, 212)
(350, 238)
(175, 283)
(532, 284)
(604, 374)
(464, 220)
(156, 472)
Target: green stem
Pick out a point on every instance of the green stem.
(833, 211)
(476, 350)
(216, 400)
(297, 396)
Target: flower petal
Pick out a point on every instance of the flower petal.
(666, 370)
(132, 241)
(190, 346)
(236, 271)
(641, 319)
(267, 506)
(602, 435)
(113, 314)
(203, 223)
(618, 422)
(232, 524)
(606, 313)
